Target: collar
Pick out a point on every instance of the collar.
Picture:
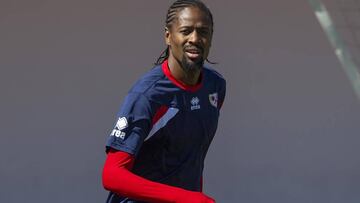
(191, 88)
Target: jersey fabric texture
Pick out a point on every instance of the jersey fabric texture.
(168, 126)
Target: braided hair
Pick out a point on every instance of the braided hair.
(172, 15)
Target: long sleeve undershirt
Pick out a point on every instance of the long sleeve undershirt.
(118, 178)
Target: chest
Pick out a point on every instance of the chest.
(195, 122)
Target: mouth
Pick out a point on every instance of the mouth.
(193, 53)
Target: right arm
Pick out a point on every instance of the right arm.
(118, 178)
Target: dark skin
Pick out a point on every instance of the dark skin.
(189, 41)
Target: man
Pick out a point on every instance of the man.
(157, 149)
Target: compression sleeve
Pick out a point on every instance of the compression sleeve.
(118, 179)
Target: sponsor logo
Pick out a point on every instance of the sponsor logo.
(213, 98)
(195, 103)
(121, 124)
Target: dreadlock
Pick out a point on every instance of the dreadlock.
(172, 15)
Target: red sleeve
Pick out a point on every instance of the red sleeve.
(118, 179)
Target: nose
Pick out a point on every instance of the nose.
(195, 37)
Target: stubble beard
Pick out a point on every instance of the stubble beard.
(191, 66)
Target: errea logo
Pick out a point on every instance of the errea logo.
(121, 124)
(195, 103)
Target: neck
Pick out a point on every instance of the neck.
(190, 77)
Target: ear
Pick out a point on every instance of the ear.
(167, 36)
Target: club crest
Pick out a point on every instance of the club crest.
(213, 98)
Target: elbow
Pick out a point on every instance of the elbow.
(106, 179)
(115, 172)
(111, 178)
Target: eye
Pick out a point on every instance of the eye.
(185, 31)
(204, 32)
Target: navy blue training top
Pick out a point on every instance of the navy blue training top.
(168, 127)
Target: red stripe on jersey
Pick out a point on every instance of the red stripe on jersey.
(159, 113)
(191, 88)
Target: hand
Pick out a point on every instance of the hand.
(194, 197)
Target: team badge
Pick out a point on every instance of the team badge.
(121, 124)
(213, 98)
(195, 103)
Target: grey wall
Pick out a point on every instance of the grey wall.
(289, 129)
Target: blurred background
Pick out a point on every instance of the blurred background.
(290, 125)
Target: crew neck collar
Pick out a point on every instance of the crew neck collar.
(191, 88)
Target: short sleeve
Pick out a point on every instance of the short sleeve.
(132, 124)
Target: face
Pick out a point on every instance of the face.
(189, 38)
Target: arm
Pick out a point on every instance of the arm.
(117, 178)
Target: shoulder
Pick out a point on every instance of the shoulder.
(154, 86)
(147, 81)
(213, 75)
